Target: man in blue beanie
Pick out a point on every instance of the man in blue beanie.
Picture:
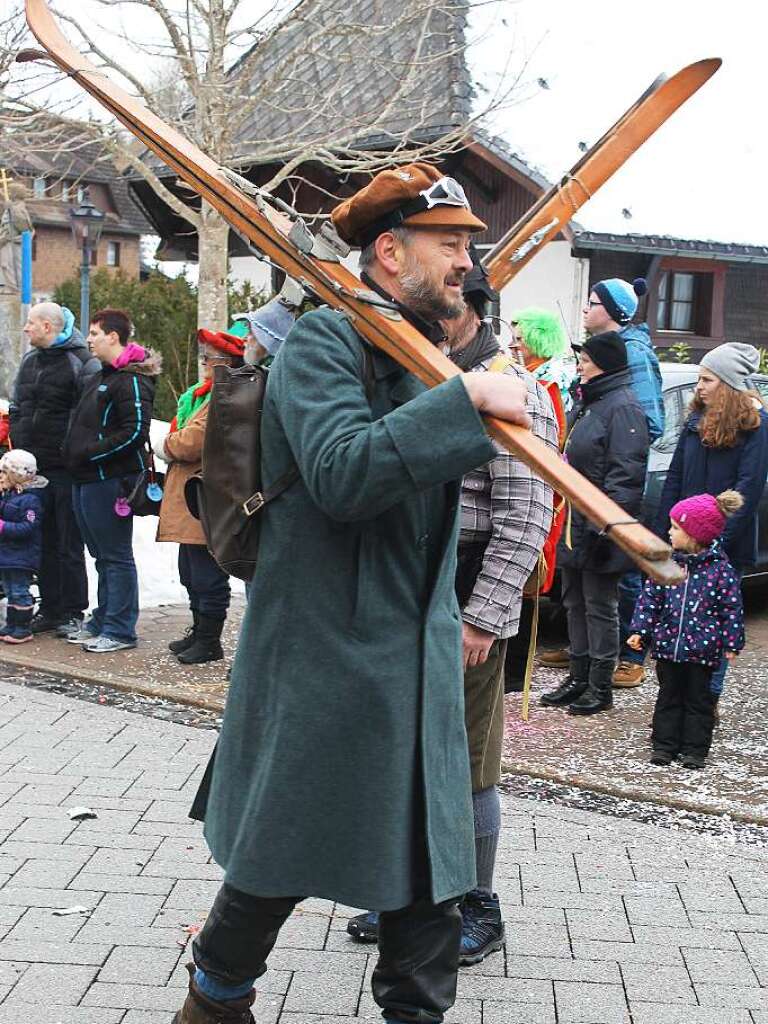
(611, 306)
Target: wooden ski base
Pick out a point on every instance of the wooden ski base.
(286, 242)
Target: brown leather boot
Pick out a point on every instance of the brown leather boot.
(199, 1009)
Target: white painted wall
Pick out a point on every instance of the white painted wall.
(553, 280)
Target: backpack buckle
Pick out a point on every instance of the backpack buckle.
(253, 504)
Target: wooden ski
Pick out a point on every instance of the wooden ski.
(285, 240)
(555, 208)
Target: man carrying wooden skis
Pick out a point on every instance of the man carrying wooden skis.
(342, 769)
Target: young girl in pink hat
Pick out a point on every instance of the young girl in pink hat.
(690, 628)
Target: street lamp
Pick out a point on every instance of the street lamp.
(86, 223)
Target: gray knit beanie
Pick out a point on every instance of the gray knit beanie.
(734, 363)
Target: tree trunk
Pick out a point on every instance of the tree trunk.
(213, 239)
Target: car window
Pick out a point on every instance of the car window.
(676, 402)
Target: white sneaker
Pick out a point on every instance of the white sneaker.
(106, 645)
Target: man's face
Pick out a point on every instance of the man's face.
(433, 265)
(38, 330)
(596, 318)
(102, 345)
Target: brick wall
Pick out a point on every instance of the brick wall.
(57, 259)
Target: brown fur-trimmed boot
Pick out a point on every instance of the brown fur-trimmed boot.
(199, 1009)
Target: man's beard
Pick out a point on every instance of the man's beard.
(422, 295)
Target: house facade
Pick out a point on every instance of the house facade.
(700, 293)
(54, 182)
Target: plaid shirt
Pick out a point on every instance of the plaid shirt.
(507, 505)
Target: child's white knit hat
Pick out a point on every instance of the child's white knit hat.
(22, 464)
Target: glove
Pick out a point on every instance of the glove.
(158, 447)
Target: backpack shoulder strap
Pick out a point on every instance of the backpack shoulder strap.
(258, 500)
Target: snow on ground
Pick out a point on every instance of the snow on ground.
(157, 564)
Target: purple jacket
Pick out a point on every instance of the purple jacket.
(697, 620)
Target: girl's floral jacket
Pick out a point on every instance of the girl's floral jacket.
(697, 620)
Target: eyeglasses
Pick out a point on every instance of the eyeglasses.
(445, 192)
(591, 303)
(205, 358)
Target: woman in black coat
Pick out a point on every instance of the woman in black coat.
(607, 442)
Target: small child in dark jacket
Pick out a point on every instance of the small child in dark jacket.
(21, 516)
(690, 627)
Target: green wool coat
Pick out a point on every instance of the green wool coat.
(343, 739)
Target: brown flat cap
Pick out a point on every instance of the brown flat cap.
(416, 195)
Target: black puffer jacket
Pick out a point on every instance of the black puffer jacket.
(110, 426)
(48, 386)
(608, 443)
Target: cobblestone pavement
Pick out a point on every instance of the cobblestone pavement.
(610, 921)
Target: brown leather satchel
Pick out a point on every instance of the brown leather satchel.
(227, 495)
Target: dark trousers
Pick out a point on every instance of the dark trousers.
(630, 587)
(110, 541)
(684, 716)
(591, 602)
(61, 577)
(415, 977)
(204, 581)
(517, 649)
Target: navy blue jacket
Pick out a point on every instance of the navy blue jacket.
(21, 532)
(697, 469)
(696, 620)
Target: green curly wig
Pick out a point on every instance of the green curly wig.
(542, 332)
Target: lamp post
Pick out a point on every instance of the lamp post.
(86, 223)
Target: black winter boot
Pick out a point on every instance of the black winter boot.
(572, 687)
(177, 646)
(207, 645)
(598, 695)
(199, 1009)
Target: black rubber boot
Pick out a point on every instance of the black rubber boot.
(572, 687)
(598, 695)
(199, 1009)
(177, 646)
(207, 645)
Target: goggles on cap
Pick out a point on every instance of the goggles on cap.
(443, 192)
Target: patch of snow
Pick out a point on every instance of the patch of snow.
(156, 564)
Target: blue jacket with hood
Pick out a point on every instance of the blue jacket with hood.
(646, 376)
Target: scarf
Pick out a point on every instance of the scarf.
(484, 345)
(553, 372)
(194, 398)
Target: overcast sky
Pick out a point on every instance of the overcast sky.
(704, 174)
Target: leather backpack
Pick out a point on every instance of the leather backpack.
(227, 495)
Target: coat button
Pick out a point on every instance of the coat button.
(422, 541)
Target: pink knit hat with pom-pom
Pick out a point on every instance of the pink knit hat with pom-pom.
(700, 517)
